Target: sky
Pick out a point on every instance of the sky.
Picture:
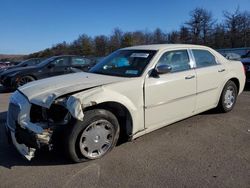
(28, 26)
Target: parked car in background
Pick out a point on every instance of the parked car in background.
(240, 51)
(132, 92)
(25, 63)
(96, 59)
(245, 59)
(53, 66)
(4, 65)
(232, 56)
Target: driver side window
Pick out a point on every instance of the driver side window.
(60, 62)
(80, 61)
(178, 60)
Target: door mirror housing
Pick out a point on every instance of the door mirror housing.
(163, 69)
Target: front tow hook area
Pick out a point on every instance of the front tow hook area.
(25, 151)
(26, 137)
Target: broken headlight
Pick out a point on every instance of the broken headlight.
(57, 114)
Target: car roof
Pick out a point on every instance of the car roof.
(68, 56)
(163, 46)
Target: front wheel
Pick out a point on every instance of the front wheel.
(228, 97)
(24, 80)
(93, 137)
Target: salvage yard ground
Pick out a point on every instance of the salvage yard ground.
(207, 150)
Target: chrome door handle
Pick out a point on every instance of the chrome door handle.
(189, 77)
(221, 70)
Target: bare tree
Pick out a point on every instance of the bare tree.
(101, 45)
(184, 35)
(173, 37)
(159, 37)
(200, 25)
(115, 40)
(245, 28)
(219, 37)
(138, 38)
(127, 39)
(201, 28)
(232, 24)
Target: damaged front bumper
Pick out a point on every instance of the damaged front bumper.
(26, 136)
(27, 141)
(32, 126)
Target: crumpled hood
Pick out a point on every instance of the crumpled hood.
(44, 92)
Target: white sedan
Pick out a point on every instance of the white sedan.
(131, 92)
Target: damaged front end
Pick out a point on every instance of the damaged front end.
(32, 126)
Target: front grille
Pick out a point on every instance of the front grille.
(12, 116)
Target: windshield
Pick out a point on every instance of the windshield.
(27, 63)
(124, 63)
(46, 61)
(22, 63)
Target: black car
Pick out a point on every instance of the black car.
(25, 63)
(245, 59)
(53, 66)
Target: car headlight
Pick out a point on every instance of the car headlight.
(57, 114)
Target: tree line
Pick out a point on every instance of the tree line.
(201, 28)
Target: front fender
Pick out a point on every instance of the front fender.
(77, 102)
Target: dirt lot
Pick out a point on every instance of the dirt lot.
(208, 150)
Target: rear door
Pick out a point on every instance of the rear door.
(210, 75)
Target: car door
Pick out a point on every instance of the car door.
(80, 64)
(170, 97)
(210, 75)
(59, 66)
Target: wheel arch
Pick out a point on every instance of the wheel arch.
(237, 83)
(122, 114)
(233, 79)
(15, 79)
(31, 75)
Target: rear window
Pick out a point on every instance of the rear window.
(204, 58)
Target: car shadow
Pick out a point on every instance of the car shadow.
(5, 90)
(10, 157)
(247, 87)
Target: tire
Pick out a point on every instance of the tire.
(24, 80)
(93, 137)
(228, 97)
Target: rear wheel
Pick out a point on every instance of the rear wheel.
(93, 137)
(24, 80)
(228, 97)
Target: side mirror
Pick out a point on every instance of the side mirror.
(243, 56)
(163, 69)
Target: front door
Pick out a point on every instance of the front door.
(59, 66)
(170, 97)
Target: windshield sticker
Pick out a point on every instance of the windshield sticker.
(140, 55)
(131, 72)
